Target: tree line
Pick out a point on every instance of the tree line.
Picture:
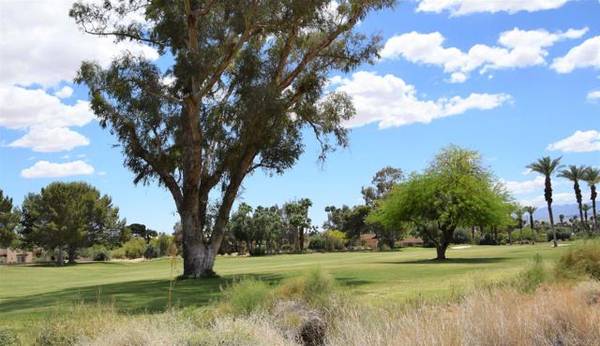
(70, 218)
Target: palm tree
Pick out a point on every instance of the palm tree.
(574, 174)
(561, 217)
(592, 177)
(530, 210)
(585, 208)
(547, 166)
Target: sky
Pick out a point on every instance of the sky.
(514, 80)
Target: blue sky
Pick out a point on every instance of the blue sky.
(513, 80)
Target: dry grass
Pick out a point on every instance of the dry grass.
(553, 315)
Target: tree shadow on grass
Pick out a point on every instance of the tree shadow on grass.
(482, 260)
(133, 296)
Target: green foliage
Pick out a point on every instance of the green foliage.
(139, 230)
(461, 236)
(455, 191)
(330, 240)
(161, 244)
(581, 260)
(9, 219)
(97, 253)
(69, 216)
(561, 234)
(134, 248)
(246, 296)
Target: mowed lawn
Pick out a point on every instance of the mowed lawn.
(31, 293)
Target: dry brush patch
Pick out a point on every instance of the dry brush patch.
(554, 315)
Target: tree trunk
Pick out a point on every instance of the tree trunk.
(552, 224)
(72, 253)
(60, 260)
(198, 257)
(442, 246)
(441, 251)
(301, 239)
(594, 210)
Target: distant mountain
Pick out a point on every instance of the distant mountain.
(568, 210)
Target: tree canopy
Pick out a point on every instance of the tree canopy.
(455, 190)
(68, 216)
(9, 219)
(247, 78)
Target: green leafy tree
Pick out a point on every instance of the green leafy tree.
(455, 191)
(248, 77)
(585, 208)
(139, 230)
(547, 166)
(592, 178)
(575, 174)
(9, 220)
(69, 216)
(382, 183)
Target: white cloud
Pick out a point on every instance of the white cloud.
(64, 93)
(517, 49)
(593, 95)
(522, 187)
(584, 55)
(42, 139)
(578, 142)
(390, 101)
(557, 199)
(41, 44)
(45, 169)
(45, 117)
(463, 7)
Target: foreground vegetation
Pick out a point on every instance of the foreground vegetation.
(30, 294)
(537, 302)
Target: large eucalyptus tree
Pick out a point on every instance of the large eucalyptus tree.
(245, 80)
(547, 166)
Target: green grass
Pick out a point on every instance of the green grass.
(29, 294)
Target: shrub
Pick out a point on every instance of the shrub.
(530, 279)
(331, 240)
(487, 239)
(583, 259)
(314, 287)
(246, 296)
(161, 244)
(151, 252)
(561, 234)
(97, 253)
(134, 248)
(461, 236)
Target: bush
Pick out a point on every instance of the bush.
(97, 253)
(582, 260)
(246, 296)
(487, 239)
(161, 244)
(151, 252)
(461, 236)
(258, 251)
(134, 248)
(331, 240)
(530, 279)
(315, 287)
(561, 234)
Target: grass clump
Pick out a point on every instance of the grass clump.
(581, 260)
(533, 276)
(314, 287)
(246, 296)
(8, 337)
